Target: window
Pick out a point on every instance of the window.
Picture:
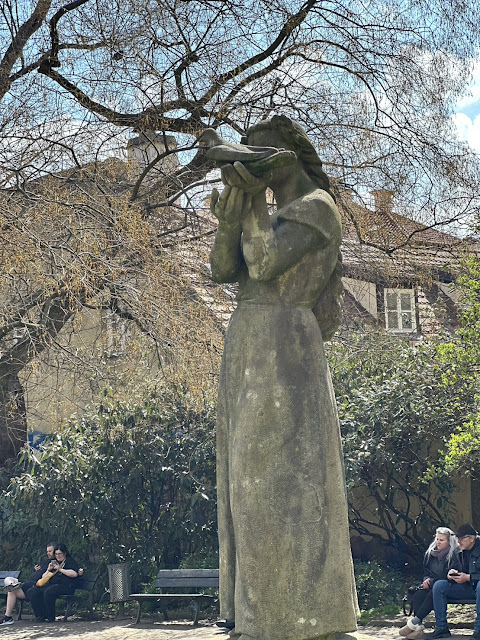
(116, 334)
(400, 310)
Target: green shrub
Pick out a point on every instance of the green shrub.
(377, 586)
(201, 559)
(395, 411)
(124, 483)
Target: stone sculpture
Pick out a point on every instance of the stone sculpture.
(285, 563)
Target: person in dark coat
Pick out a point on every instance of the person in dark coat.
(462, 584)
(20, 593)
(63, 571)
(441, 557)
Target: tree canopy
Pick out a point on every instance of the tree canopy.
(124, 483)
(396, 415)
(461, 357)
(374, 84)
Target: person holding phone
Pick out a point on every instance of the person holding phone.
(20, 593)
(59, 579)
(441, 558)
(461, 584)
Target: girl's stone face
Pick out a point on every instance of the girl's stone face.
(273, 138)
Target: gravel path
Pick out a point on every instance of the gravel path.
(125, 629)
(109, 630)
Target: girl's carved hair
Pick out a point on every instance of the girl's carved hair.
(328, 309)
(297, 140)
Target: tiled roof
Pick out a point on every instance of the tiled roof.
(384, 245)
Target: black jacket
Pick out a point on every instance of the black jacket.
(60, 578)
(38, 574)
(436, 569)
(473, 563)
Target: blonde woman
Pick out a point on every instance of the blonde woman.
(441, 556)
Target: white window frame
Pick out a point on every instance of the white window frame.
(399, 310)
(116, 335)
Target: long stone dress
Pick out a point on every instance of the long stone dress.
(285, 562)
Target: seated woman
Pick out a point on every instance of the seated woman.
(440, 557)
(59, 580)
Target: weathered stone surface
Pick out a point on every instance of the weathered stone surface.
(285, 562)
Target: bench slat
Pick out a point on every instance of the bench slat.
(174, 578)
(186, 582)
(189, 596)
(87, 581)
(188, 573)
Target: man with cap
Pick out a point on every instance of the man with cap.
(462, 584)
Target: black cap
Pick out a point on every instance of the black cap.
(465, 530)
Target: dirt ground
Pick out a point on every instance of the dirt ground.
(124, 629)
(109, 630)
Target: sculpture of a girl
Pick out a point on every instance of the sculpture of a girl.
(285, 563)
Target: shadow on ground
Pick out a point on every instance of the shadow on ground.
(382, 628)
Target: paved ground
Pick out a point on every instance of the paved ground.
(109, 630)
(125, 629)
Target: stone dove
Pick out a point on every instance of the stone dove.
(258, 160)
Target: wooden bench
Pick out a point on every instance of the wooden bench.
(84, 583)
(450, 601)
(175, 578)
(461, 601)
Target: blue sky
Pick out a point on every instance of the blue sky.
(467, 117)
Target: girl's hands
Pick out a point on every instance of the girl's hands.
(235, 201)
(236, 175)
(231, 206)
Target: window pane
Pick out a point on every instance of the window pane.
(406, 320)
(392, 319)
(391, 300)
(406, 301)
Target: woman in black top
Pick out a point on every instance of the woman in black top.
(62, 571)
(441, 556)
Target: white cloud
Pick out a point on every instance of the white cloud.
(467, 118)
(473, 94)
(468, 129)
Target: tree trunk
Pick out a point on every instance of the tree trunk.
(13, 418)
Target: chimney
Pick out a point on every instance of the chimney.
(147, 146)
(383, 201)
